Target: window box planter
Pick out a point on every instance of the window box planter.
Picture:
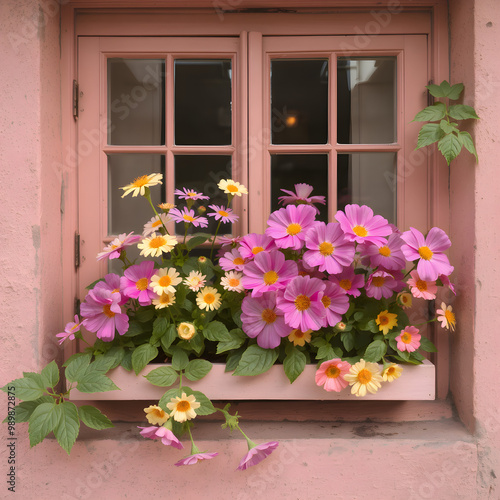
(417, 382)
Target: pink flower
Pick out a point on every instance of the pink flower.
(301, 303)
(387, 254)
(254, 243)
(420, 288)
(288, 226)
(103, 314)
(381, 284)
(409, 339)
(336, 303)
(328, 248)
(115, 248)
(190, 194)
(232, 261)
(269, 271)
(112, 283)
(262, 319)
(69, 330)
(192, 459)
(446, 282)
(222, 213)
(256, 454)
(187, 215)
(301, 196)
(428, 251)
(167, 436)
(360, 225)
(331, 373)
(135, 282)
(349, 281)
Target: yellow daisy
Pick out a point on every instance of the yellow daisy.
(166, 299)
(447, 317)
(298, 337)
(183, 408)
(164, 280)
(364, 376)
(392, 372)
(141, 183)
(232, 187)
(386, 321)
(156, 245)
(208, 298)
(155, 415)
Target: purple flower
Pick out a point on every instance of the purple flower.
(167, 436)
(69, 330)
(256, 454)
(115, 248)
(301, 196)
(336, 303)
(232, 261)
(381, 284)
(187, 215)
(135, 282)
(222, 213)
(254, 243)
(387, 254)
(349, 281)
(190, 194)
(196, 457)
(112, 283)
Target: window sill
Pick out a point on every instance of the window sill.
(416, 383)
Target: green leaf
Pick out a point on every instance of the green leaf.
(134, 328)
(142, 356)
(50, 374)
(160, 327)
(375, 351)
(426, 345)
(468, 143)
(405, 355)
(102, 363)
(233, 359)
(429, 134)
(448, 128)
(216, 331)
(24, 410)
(68, 426)
(77, 368)
(167, 396)
(325, 352)
(196, 240)
(294, 364)
(238, 338)
(256, 360)
(93, 418)
(179, 359)
(165, 376)
(168, 338)
(115, 355)
(206, 406)
(72, 358)
(43, 420)
(455, 91)
(450, 146)
(436, 90)
(27, 389)
(197, 369)
(95, 381)
(462, 112)
(126, 362)
(431, 113)
(143, 315)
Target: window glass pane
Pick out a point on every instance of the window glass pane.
(203, 102)
(202, 173)
(288, 170)
(131, 213)
(366, 100)
(136, 109)
(299, 101)
(368, 179)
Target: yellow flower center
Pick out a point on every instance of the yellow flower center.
(450, 317)
(232, 188)
(165, 280)
(332, 372)
(269, 316)
(302, 302)
(156, 223)
(114, 246)
(345, 284)
(188, 218)
(142, 284)
(298, 334)
(140, 181)
(234, 282)
(390, 371)
(107, 311)
(158, 412)
(326, 301)
(256, 250)
(383, 320)
(191, 193)
(183, 406)
(406, 337)
(293, 229)
(223, 213)
(385, 251)
(378, 281)
(422, 285)
(270, 277)
(209, 298)
(426, 253)
(157, 242)
(238, 261)
(165, 298)
(364, 376)
(360, 231)
(326, 248)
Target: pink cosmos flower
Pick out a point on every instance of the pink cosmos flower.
(446, 282)
(349, 281)
(262, 319)
(301, 196)
(115, 248)
(167, 436)
(420, 288)
(69, 330)
(301, 303)
(135, 282)
(428, 251)
(288, 226)
(232, 261)
(409, 339)
(267, 272)
(328, 248)
(387, 254)
(381, 284)
(254, 243)
(190, 194)
(196, 457)
(112, 283)
(187, 215)
(336, 303)
(331, 373)
(360, 225)
(256, 454)
(103, 314)
(222, 213)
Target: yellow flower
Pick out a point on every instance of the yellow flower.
(166, 206)
(364, 376)
(166, 299)
(186, 331)
(164, 280)
(298, 337)
(155, 415)
(392, 372)
(405, 299)
(386, 321)
(232, 187)
(208, 298)
(156, 245)
(139, 185)
(183, 408)
(447, 317)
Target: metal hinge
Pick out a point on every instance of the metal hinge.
(77, 250)
(77, 306)
(75, 99)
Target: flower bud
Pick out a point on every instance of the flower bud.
(202, 259)
(186, 331)
(201, 210)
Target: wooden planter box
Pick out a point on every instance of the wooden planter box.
(417, 382)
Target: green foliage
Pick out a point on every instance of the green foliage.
(294, 363)
(450, 139)
(256, 360)
(164, 376)
(197, 369)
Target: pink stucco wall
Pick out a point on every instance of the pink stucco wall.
(435, 459)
